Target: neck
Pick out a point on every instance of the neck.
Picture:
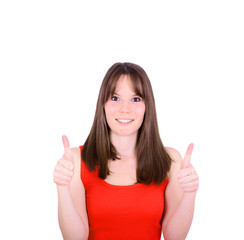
(125, 145)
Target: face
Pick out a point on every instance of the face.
(124, 110)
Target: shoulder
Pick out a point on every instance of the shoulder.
(176, 160)
(76, 183)
(75, 151)
(174, 154)
(77, 158)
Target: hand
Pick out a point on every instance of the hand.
(187, 176)
(64, 169)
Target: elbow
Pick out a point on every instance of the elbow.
(77, 238)
(173, 237)
(85, 237)
(168, 234)
(165, 232)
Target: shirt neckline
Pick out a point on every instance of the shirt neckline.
(119, 186)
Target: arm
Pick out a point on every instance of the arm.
(72, 213)
(180, 196)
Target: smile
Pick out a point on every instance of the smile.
(124, 120)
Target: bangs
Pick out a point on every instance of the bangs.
(136, 84)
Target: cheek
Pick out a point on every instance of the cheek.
(110, 109)
(140, 111)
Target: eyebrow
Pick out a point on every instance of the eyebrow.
(134, 95)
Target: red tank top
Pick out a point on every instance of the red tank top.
(122, 212)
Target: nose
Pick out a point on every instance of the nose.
(125, 107)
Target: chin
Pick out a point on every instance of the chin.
(125, 133)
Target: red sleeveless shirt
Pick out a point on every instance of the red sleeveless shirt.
(122, 212)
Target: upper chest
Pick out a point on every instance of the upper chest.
(122, 172)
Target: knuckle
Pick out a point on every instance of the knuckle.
(72, 167)
(56, 167)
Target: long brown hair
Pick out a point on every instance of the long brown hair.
(153, 162)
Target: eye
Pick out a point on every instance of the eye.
(136, 99)
(114, 98)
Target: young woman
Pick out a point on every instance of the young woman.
(123, 183)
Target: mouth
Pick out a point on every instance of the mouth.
(124, 121)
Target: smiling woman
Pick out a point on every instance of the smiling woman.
(123, 183)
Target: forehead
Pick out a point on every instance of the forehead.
(129, 82)
(124, 84)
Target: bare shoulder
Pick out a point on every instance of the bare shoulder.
(174, 154)
(76, 154)
(177, 159)
(76, 151)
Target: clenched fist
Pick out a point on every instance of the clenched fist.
(64, 169)
(187, 176)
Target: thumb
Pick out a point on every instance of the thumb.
(186, 160)
(67, 149)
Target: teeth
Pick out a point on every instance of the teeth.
(124, 120)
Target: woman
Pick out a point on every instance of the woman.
(123, 183)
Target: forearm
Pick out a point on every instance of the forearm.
(179, 223)
(71, 224)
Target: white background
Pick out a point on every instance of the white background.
(53, 57)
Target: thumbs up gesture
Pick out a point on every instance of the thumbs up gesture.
(64, 169)
(187, 175)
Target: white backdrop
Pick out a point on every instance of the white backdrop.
(53, 57)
